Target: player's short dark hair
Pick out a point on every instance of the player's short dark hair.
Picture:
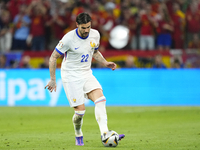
(83, 18)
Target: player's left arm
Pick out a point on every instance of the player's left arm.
(99, 57)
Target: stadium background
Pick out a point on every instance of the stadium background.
(22, 80)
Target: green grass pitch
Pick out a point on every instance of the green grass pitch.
(146, 128)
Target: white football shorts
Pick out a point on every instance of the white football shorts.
(76, 91)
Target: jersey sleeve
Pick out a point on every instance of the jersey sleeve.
(98, 41)
(62, 46)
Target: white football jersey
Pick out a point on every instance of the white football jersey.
(78, 53)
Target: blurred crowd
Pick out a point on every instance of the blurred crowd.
(38, 25)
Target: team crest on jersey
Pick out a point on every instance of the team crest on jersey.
(60, 44)
(74, 100)
(92, 44)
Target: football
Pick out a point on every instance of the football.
(110, 139)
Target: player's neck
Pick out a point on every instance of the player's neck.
(79, 33)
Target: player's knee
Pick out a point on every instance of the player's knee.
(79, 108)
(95, 94)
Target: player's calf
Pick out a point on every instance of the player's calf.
(78, 121)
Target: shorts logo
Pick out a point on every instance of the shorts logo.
(74, 100)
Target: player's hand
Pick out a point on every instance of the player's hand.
(51, 85)
(111, 65)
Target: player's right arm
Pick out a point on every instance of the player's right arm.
(52, 68)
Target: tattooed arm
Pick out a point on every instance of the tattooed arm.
(99, 57)
(52, 68)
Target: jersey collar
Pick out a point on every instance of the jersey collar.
(79, 35)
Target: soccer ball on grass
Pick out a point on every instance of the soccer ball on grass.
(110, 138)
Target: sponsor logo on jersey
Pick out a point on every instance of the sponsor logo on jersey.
(76, 48)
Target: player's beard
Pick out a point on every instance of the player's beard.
(84, 35)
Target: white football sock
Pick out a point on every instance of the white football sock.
(100, 114)
(78, 121)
